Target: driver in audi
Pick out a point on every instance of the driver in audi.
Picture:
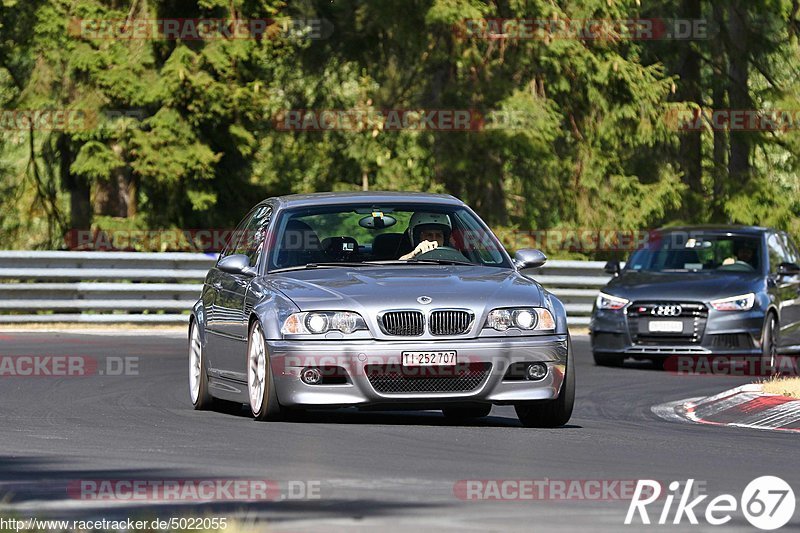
(745, 253)
(428, 231)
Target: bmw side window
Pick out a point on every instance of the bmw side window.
(253, 234)
(477, 243)
(234, 237)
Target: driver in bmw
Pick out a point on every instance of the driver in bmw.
(428, 231)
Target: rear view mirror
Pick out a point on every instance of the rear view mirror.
(377, 220)
(613, 268)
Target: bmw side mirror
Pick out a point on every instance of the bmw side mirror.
(236, 264)
(529, 258)
(613, 268)
(788, 269)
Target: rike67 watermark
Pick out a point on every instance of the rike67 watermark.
(767, 502)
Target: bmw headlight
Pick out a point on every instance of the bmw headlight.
(735, 303)
(318, 322)
(526, 318)
(606, 301)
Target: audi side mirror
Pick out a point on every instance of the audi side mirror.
(788, 269)
(613, 268)
(529, 258)
(236, 264)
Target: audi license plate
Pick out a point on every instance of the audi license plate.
(665, 326)
(429, 358)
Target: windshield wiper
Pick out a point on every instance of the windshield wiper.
(442, 262)
(389, 262)
(320, 265)
(393, 262)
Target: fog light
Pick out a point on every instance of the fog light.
(311, 376)
(536, 371)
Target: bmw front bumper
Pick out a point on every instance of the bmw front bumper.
(288, 358)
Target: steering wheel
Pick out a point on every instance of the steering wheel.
(738, 266)
(445, 253)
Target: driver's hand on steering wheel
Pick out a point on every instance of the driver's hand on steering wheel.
(423, 247)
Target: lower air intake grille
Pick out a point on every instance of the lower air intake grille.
(733, 341)
(395, 379)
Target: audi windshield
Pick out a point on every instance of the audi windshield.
(698, 252)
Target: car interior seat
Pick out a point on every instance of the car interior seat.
(340, 249)
(299, 246)
(679, 259)
(386, 246)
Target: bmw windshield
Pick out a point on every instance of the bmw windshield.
(363, 235)
(698, 252)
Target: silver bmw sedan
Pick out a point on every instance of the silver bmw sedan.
(380, 300)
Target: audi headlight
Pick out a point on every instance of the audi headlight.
(318, 322)
(606, 301)
(527, 318)
(735, 303)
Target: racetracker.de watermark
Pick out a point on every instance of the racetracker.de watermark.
(552, 489)
(192, 490)
(38, 366)
(442, 120)
(581, 240)
(194, 240)
(643, 29)
(66, 119)
(731, 365)
(577, 240)
(733, 120)
(63, 119)
(200, 29)
(342, 367)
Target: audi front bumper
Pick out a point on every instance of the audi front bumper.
(723, 333)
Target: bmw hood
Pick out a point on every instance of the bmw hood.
(388, 287)
(691, 287)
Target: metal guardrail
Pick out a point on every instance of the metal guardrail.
(575, 283)
(160, 288)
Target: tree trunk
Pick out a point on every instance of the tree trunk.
(133, 198)
(106, 197)
(114, 197)
(80, 203)
(738, 93)
(720, 70)
(691, 155)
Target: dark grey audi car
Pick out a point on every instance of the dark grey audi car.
(396, 300)
(713, 290)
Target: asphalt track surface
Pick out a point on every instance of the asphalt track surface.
(387, 470)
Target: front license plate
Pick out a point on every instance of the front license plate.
(666, 326)
(429, 358)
